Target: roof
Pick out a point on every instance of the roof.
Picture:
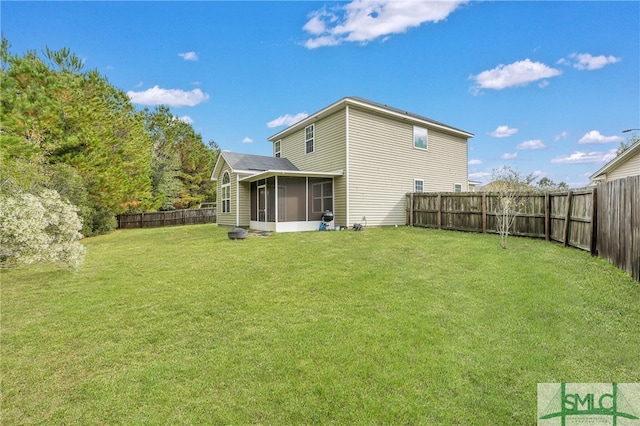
(257, 167)
(617, 162)
(371, 106)
(250, 163)
(256, 162)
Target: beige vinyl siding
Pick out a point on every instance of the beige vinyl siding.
(383, 165)
(629, 168)
(244, 197)
(329, 155)
(228, 219)
(240, 191)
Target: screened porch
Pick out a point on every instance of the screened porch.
(290, 201)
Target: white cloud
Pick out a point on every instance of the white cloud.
(594, 137)
(479, 176)
(366, 20)
(519, 73)
(189, 56)
(287, 120)
(509, 156)
(172, 97)
(475, 162)
(316, 25)
(247, 140)
(585, 61)
(560, 136)
(532, 144)
(503, 132)
(579, 157)
(186, 119)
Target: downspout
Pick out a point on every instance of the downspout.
(347, 171)
(237, 199)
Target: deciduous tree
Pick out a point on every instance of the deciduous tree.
(509, 186)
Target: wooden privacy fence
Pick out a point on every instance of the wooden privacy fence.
(604, 220)
(618, 224)
(168, 218)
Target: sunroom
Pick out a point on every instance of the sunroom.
(289, 201)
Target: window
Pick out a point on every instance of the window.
(457, 187)
(418, 185)
(420, 138)
(321, 196)
(226, 193)
(309, 137)
(276, 149)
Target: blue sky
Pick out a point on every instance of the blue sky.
(546, 87)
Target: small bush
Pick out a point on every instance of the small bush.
(39, 228)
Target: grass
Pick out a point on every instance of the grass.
(386, 326)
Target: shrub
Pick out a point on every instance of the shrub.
(39, 228)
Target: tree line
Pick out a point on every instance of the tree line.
(75, 153)
(69, 130)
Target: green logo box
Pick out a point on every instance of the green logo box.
(592, 404)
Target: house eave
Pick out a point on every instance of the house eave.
(289, 173)
(371, 106)
(601, 174)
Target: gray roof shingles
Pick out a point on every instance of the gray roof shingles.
(257, 162)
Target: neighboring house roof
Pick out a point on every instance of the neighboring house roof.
(371, 106)
(628, 154)
(249, 163)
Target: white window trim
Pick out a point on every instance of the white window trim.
(457, 184)
(223, 187)
(277, 148)
(414, 184)
(312, 139)
(413, 142)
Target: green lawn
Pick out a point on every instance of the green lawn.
(386, 326)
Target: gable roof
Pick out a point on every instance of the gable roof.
(250, 163)
(617, 162)
(374, 107)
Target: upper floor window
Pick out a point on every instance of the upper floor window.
(226, 193)
(418, 185)
(457, 187)
(309, 138)
(420, 137)
(276, 149)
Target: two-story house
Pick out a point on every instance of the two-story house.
(356, 158)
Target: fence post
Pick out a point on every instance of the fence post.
(483, 208)
(142, 220)
(547, 216)
(411, 209)
(439, 217)
(594, 222)
(567, 219)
